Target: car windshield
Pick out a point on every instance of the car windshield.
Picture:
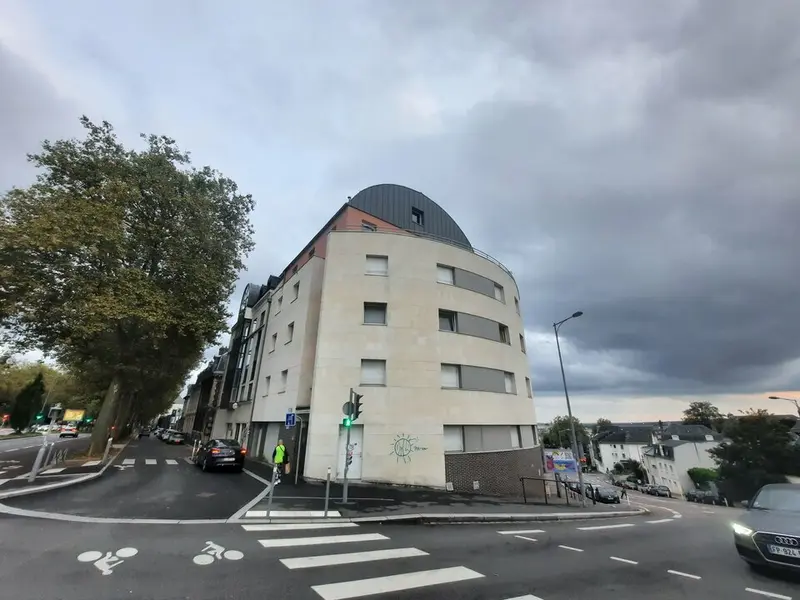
(777, 499)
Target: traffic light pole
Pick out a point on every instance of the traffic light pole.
(346, 455)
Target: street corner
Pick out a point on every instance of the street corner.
(141, 485)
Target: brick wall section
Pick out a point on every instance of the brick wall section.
(498, 473)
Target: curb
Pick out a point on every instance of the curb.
(456, 518)
(62, 484)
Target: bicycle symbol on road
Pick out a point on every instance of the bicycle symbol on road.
(216, 552)
(106, 563)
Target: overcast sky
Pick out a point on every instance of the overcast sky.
(633, 160)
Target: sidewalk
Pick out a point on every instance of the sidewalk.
(384, 502)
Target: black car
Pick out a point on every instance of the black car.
(605, 494)
(220, 453)
(768, 534)
(144, 432)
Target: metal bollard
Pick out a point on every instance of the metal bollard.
(107, 450)
(272, 489)
(36, 465)
(327, 492)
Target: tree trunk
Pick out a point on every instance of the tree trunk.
(123, 413)
(105, 419)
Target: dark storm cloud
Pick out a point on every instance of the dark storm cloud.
(665, 203)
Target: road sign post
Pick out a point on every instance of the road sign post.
(347, 423)
(291, 420)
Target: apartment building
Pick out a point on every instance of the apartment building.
(390, 299)
(675, 450)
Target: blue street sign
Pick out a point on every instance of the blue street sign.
(290, 419)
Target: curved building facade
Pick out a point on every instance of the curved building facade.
(425, 328)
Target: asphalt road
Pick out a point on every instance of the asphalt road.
(150, 480)
(658, 556)
(17, 455)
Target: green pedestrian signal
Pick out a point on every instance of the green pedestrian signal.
(347, 421)
(39, 417)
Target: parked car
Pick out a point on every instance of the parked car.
(220, 453)
(768, 533)
(693, 495)
(607, 495)
(68, 431)
(660, 490)
(175, 437)
(144, 432)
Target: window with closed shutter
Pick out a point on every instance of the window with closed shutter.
(451, 376)
(373, 372)
(511, 386)
(499, 294)
(453, 438)
(377, 265)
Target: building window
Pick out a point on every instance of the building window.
(261, 318)
(417, 217)
(284, 377)
(499, 293)
(377, 265)
(515, 436)
(447, 320)
(367, 226)
(373, 372)
(279, 305)
(505, 337)
(529, 387)
(249, 392)
(267, 382)
(522, 343)
(374, 313)
(451, 376)
(295, 291)
(516, 304)
(445, 274)
(453, 438)
(290, 332)
(273, 342)
(511, 385)
(312, 252)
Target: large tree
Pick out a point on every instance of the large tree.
(559, 433)
(27, 402)
(120, 262)
(703, 413)
(759, 450)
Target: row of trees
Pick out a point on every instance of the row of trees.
(118, 264)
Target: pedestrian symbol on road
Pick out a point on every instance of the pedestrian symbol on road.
(106, 563)
(214, 552)
(290, 419)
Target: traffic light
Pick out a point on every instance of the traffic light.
(347, 422)
(39, 417)
(349, 459)
(356, 411)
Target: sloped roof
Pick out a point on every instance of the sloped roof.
(626, 435)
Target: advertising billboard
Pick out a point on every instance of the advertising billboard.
(561, 462)
(73, 414)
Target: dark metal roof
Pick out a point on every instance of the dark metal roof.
(626, 435)
(394, 204)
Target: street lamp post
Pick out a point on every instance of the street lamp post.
(556, 327)
(796, 402)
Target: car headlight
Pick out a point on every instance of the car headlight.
(742, 530)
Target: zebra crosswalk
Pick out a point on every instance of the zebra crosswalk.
(310, 548)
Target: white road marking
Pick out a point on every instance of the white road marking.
(571, 548)
(661, 521)
(150, 461)
(521, 531)
(297, 526)
(170, 461)
(682, 574)
(53, 471)
(393, 583)
(329, 560)
(188, 460)
(617, 526)
(91, 463)
(328, 539)
(526, 597)
(624, 560)
(128, 462)
(768, 594)
(522, 537)
(282, 514)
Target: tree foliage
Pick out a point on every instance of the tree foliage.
(603, 425)
(702, 476)
(559, 434)
(119, 264)
(759, 450)
(27, 402)
(704, 413)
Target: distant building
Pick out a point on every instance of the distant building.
(677, 449)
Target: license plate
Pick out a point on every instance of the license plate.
(227, 459)
(783, 551)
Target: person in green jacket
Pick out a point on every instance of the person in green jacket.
(280, 457)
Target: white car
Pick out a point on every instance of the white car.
(68, 431)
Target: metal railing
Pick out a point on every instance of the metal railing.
(547, 488)
(428, 236)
